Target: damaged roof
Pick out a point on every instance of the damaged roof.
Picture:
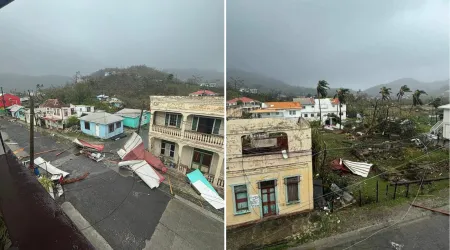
(101, 118)
(53, 103)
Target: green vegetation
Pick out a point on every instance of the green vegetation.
(46, 183)
(72, 121)
(132, 85)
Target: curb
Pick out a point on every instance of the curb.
(336, 240)
(201, 210)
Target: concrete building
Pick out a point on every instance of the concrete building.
(131, 117)
(286, 110)
(78, 110)
(54, 113)
(244, 103)
(189, 132)
(443, 126)
(102, 125)
(203, 92)
(269, 169)
(328, 107)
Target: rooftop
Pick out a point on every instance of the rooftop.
(130, 112)
(447, 106)
(304, 100)
(53, 103)
(101, 118)
(283, 105)
(207, 105)
(245, 126)
(242, 99)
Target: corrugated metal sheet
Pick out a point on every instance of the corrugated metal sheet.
(358, 168)
(49, 167)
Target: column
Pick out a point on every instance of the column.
(218, 169)
(184, 123)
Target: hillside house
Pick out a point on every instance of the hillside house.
(286, 110)
(269, 169)
(16, 111)
(203, 92)
(54, 113)
(101, 125)
(79, 110)
(131, 117)
(244, 103)
(115, 102)
(443, 126)
(328, 107)
(189, 132)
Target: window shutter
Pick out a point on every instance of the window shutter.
(179, 121)
(194, 123)
(216, 126)
(167, 120)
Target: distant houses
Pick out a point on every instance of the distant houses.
(102, 125)
(203, 92)
(54, 113)
(79, 110)
(131, 117)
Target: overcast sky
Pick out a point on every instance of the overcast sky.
(351, 43)
(62, 37)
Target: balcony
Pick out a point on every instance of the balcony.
(167, 130)
(216, 140)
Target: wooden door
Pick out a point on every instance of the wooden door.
(269, 202)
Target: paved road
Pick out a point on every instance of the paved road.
(428, 233)
(123, 210)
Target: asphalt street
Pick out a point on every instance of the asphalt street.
(427, 233)
(122, 209)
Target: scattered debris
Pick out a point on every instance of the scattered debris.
(72, 180)
(431, 209)
(396, 246)
(206, 190)
(145, 172)
(49, 167)
(94, 156)
(358, 168)
(89, 146)
(346, 197)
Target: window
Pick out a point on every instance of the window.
(206, 125)
(292, 112)
(312, 115)
(306, 115)
(118, 125)
(66, 112)
(173, 120)
(292, 189)
(111, 127)
(87, 125)
(58, 112)
(167, 149)
(333, 106)
(241, 198)
(88, 109)
(202, 159)
(277, 113)
(312, 106)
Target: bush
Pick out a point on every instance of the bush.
(72, 121)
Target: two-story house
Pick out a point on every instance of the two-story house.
(269, 169)
(54, 113)
(244, 103)
(79, 110)
(328, 107)
(286, 110)
(189, 131)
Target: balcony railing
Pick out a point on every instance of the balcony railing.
(206, 138)
(167, 130)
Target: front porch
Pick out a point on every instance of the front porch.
(186, 158)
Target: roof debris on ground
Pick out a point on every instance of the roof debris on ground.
(205, 189)
(151, 177)
(85, 144)
(49, 167)
(358, 168)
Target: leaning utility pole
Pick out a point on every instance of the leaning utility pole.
(140, 117)
(3, 100)
(31, 130)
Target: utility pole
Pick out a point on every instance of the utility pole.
(31, 130)
(140, 117)
(3, 100)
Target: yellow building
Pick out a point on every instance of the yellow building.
(189, 132)
(269, 169)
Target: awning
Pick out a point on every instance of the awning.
(49, 167)
(134, 150)
(98, 147)
(206, 189)
(151, 177)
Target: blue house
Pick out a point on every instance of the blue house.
(131, 117)
(102, 125)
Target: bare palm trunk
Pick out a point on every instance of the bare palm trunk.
(340, 116)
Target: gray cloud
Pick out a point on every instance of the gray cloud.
(61, 37)
(350, 43)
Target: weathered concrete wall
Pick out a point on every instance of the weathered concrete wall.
(250, 170)
(204, 105)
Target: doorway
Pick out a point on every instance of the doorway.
(269, 202)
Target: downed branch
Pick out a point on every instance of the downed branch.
(72, 180)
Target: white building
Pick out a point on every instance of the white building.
(328, 107)
(78, 110)
(288, 110)
(444, 125)
(244, 103)
(247, 90)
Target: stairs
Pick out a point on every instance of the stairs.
(436, 127)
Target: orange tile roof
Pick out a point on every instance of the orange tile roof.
(283, 105)
(334, 101)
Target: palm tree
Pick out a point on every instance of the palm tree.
(341, 95)
(322, 87)
(436, 103)
(416, 98)
(385, 96)
(403, 89)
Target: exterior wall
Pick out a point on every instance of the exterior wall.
(249, 170)
(446, 124)
(80, 109)
(103, 130)
(9, 100)
(133, 122)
